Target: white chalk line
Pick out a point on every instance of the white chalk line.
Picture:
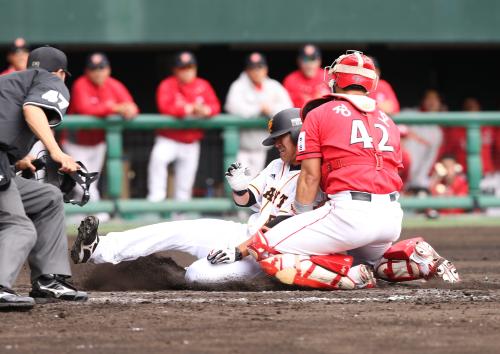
(139, 298)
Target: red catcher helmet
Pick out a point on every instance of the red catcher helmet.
(353, 68)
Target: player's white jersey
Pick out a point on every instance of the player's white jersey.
(274, 190)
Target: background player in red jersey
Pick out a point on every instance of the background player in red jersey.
(385, 96)
(455, 140)
(183, 95)
(350, 149)
(99, 94)
(308, 81)
(17, 56)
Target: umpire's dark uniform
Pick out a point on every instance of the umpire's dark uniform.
(31, 213)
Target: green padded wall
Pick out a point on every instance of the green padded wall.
(130, 22)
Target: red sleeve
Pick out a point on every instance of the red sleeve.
(122, 93)
(81, 102)
(308, 146)
(293, 92)
(393, 98)
(165, 99)
(211, 99)
(404, 172)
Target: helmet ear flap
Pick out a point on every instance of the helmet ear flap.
(294, 134)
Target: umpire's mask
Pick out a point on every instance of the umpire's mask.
(66, 182)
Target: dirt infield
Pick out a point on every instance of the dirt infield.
(122, 317)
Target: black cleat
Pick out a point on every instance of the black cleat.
(51, 287)
(10, 301)
(86, 241)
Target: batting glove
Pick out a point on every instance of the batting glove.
(226, 255)
(238, 177)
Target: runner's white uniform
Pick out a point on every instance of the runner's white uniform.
(274, 191)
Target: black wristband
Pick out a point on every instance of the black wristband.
(237, 255)
(240, 193)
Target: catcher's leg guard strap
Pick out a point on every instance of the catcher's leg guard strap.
(259, 248)
(398, 270)
(300, 270)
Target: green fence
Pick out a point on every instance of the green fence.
(230, 126)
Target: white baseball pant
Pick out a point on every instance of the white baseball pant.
(185, 158)
(366, 229)
(196, 237)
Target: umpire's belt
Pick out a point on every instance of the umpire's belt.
(364, 197)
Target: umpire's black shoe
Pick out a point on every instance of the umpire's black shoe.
(86, 241)
(50, 287)
(10, 301)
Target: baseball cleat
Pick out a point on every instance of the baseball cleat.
(367, 278)
(50, 287)
(445, 270)
(10, 301)
(439, 267)
(86, 241)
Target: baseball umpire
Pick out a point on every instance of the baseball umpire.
(32, 223)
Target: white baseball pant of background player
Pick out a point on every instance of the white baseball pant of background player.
(196, 237)
(185, 158)
(423, 155)
(364, 229)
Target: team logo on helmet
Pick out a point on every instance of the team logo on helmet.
(270, 125)
(296, 122)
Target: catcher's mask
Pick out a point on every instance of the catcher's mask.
(352, 68)
(66, 182)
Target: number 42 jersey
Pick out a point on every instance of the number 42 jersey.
(359, 145)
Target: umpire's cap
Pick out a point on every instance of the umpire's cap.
(48, 58)
(285, 121)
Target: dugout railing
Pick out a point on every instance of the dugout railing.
(230, 126)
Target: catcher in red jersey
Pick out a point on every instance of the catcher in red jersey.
(350, 149)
